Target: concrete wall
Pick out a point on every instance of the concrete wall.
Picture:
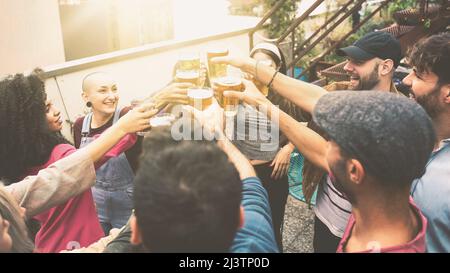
(136, 76)
(31, 35)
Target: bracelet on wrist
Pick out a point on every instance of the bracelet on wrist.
(269, 85)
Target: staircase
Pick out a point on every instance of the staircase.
(410, 26)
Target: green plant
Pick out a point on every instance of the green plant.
(282, 18)
(427, 23)
(400, 5)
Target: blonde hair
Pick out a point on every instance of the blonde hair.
(10, 211)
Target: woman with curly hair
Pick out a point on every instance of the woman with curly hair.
(29, 144)
(25, 140)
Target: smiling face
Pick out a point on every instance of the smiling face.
(101, 90)
(426, 90)
(364, 75)
(53, 116)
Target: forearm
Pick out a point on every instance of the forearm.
(55, 184)
(124, 144)
(256, 236)
(310, 144)
(241, 163)
(304, 95)
(290, 145)
(107, 140)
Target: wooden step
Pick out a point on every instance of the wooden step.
(335, 73)
(397, 30)
(412, 17)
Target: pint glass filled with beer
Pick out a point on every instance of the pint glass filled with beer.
(228, 83)
(189, 62)
(216, 70)
(188, 76)
(200, 98)
(162, 119)
(140, 101)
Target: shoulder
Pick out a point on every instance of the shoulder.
(125, 110)
(62, 150)
(78, 124)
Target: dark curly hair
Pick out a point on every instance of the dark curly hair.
(25, 139)
(432, 55)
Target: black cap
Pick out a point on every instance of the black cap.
(374, 44)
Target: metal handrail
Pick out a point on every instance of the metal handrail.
(321, 56)
(263, 21)
(331, 19)
(298, 21)
(302, 52)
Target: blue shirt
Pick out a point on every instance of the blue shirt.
(431, 193)
(256, 236)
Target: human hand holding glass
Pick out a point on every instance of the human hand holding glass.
(137, 119)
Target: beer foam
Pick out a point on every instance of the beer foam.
(191, 74)
(229, 81)
(200, 93)
(219, 51)
(162, 121)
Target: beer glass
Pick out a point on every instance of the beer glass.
(162, 119)
(188, 76)
(200, 98)
(216, 70)
(189, 62)
(139, 101)
(228, 83)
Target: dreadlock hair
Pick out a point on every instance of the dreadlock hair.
(25, 140)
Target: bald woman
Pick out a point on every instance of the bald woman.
(114, 186)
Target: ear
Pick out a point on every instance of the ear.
(386, 67)
(446, 89)
(241, 217)
(136, 237)
(356, 171)
(84, 96)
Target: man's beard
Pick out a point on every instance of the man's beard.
(430, 101)
(369, 82)
(336, 172)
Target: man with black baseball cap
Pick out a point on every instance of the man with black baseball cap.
(372, 61)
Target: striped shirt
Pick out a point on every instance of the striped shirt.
(332, 208)
(254, 135)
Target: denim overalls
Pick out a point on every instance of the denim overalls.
(114, 184)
